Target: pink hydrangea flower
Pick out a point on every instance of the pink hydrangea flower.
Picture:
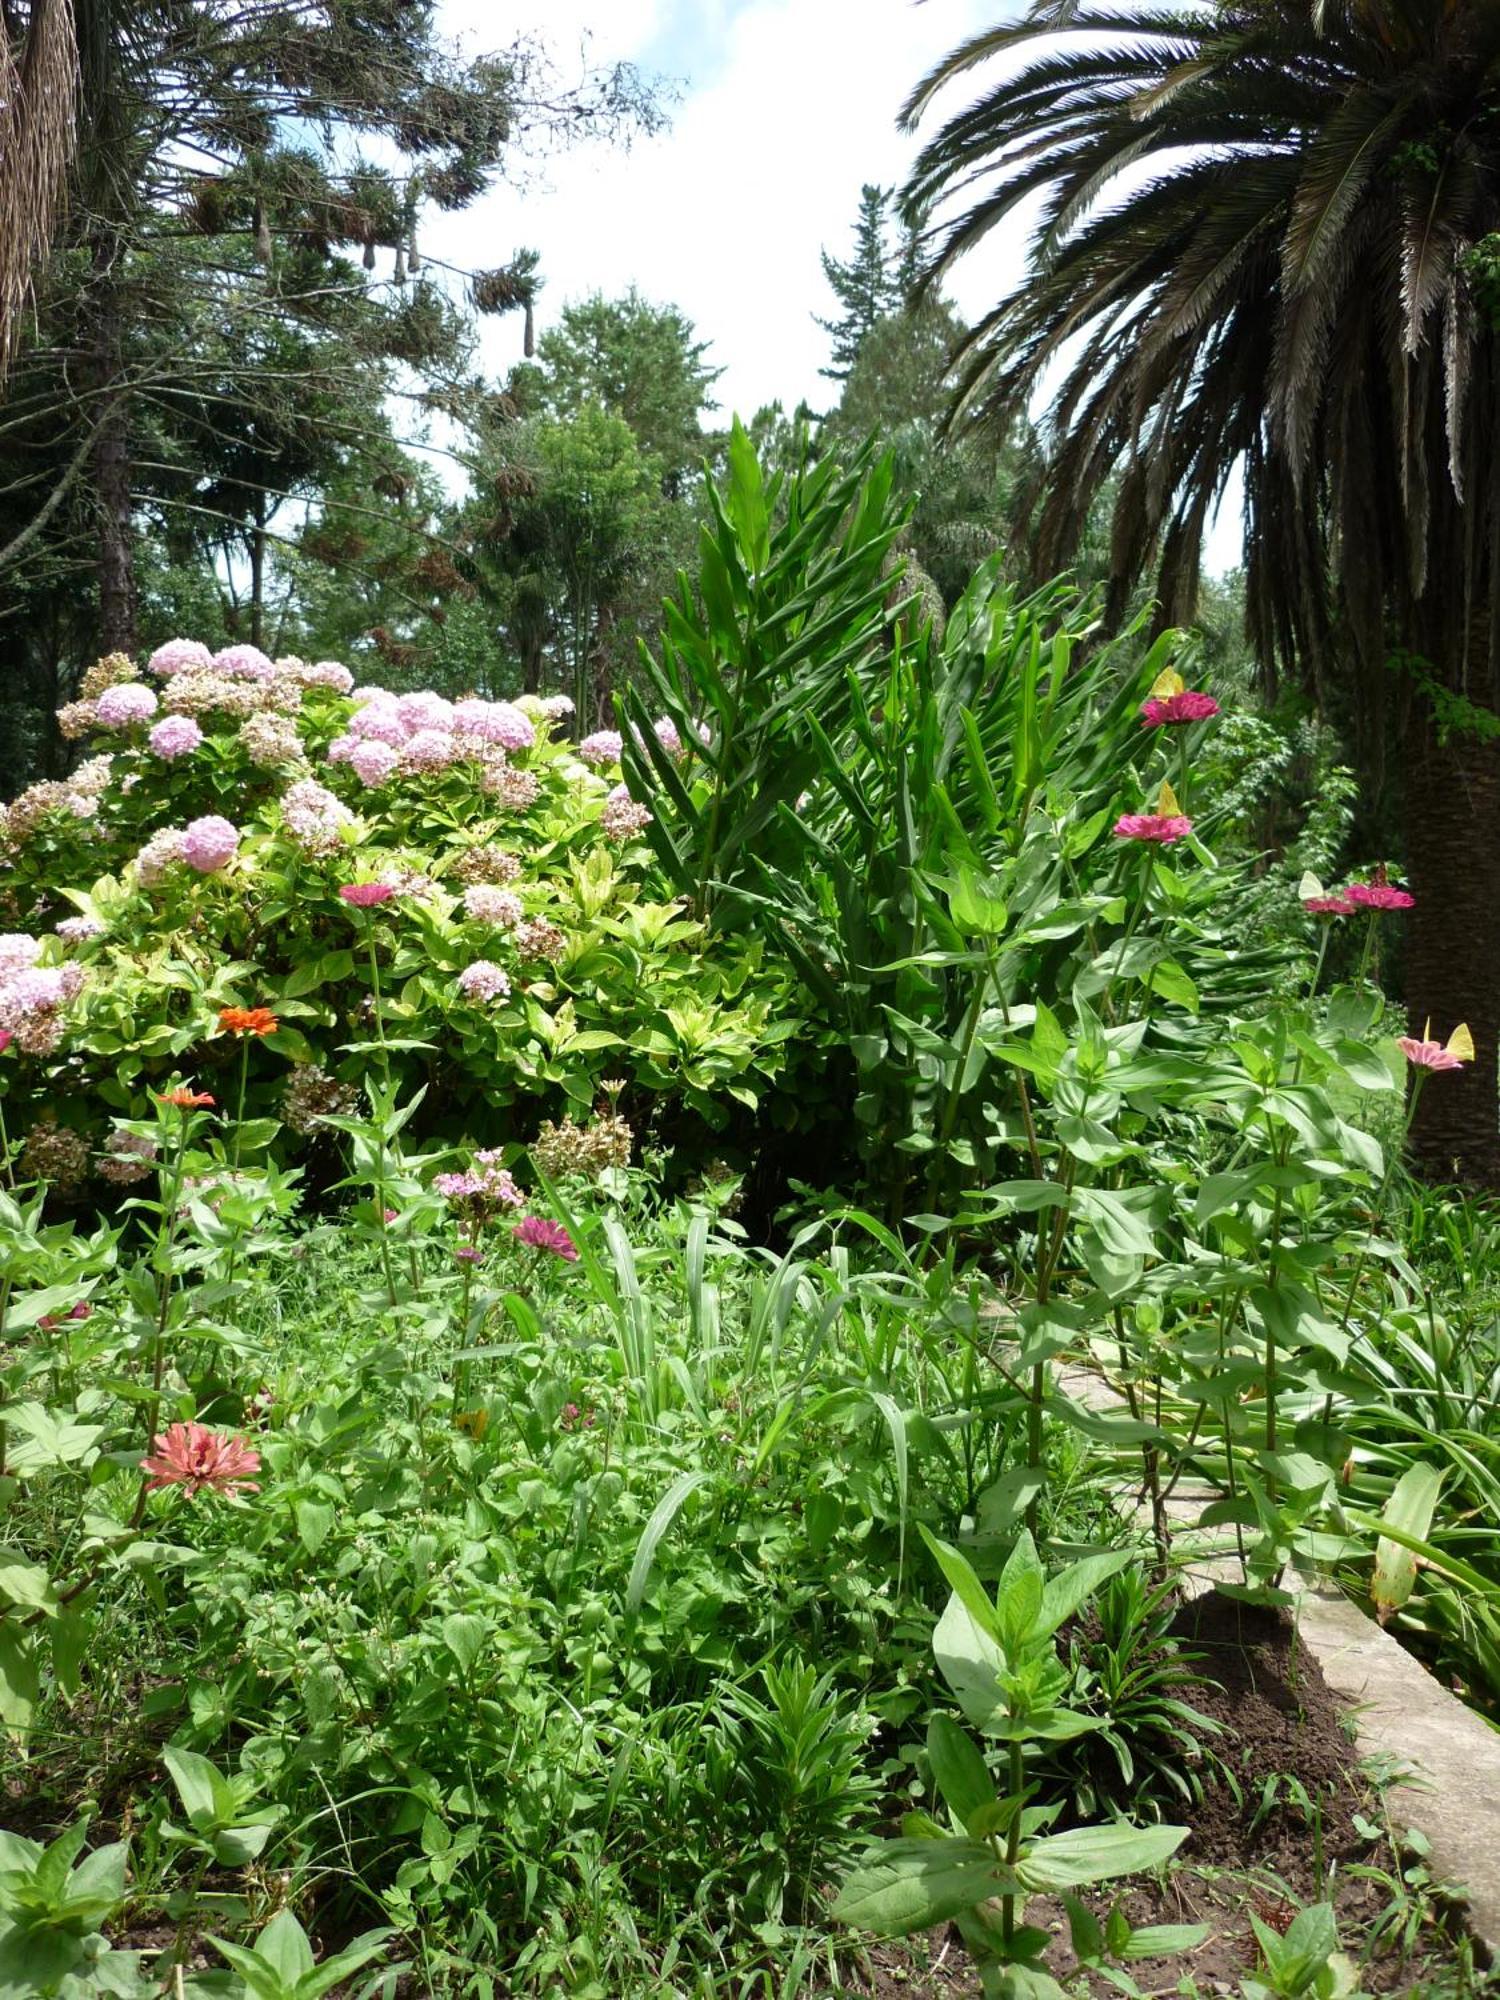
(425, 710)
(175, 736)
(193, 1457)
(209, 844)
(537, 1232)
(18, 953)
(602, 748)
(245, 663)
(365, 895)
(1188, 705)
(1378, 896)
(373, 762)
(1163, 828)
(327, 674)
(556, 707)
(429, 750)
(484, 981)
(177, 656)
(379, 721)
(126, 703)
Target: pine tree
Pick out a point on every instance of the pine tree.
(869, 287)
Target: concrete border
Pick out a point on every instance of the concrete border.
(1402, 1716)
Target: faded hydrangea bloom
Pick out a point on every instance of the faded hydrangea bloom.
(486, 864)
(560, 1150)
(106, 673)
(56, 1156)
(127, 1157)
(311, 1095)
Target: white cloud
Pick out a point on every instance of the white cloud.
(794, 107)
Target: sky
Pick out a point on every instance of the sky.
(784, 109)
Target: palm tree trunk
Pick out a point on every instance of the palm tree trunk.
(1453, 944)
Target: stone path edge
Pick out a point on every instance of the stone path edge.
(1403, 1718)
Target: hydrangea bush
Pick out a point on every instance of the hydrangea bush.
(241, 832)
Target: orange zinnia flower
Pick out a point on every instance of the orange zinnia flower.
(185, 1100)
(248, 1021)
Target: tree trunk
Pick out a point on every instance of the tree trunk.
(111, 455)
(1453, 944)
(258, 576)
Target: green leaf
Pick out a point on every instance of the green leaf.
(1073, 1587)
(1411, 1507)
(1096, 1854)
(283, 1945)
(465, 1636)
(964, 1584)
(1019, 1594)
(1165, 1940)
(910, 1885)
(663, 1514)
(199, 1786)
(20, 1681)
(961, 1773)
(315, 1520)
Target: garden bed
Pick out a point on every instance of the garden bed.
(1289, 1816)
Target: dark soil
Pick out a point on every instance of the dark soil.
(1282, 1789)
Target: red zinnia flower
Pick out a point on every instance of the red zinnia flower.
(192, 1456)
(537, 1232)
(1378, 896)
(185, 1100)
(248, 1021)
(365, 895)
(1187, 705)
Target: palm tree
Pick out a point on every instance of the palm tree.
(1266, 237)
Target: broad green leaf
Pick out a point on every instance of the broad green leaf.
(910, 1885)
(1410, 1508)
(1096, 1854)
(960, 1771)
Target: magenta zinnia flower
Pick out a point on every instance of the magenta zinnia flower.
(365, 895)
(192, 1456)
(1186, 706)
(1163, 828)
(1424, 1053)
(1329, 906)
(1378, 896)
(538, 1232)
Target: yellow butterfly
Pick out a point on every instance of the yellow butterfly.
(1167, 683)
(1460, 1043)
(475, 1422)
(1166, 803)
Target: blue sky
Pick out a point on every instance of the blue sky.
(786, 108)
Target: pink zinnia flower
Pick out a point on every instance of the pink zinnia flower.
(6, 1038)
(1428, 1054)
(1163, 828)
(1378, 896)
(192, 1456)
(1329, 906)
(365, 895)
(1186, 706)
(538, 1232)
